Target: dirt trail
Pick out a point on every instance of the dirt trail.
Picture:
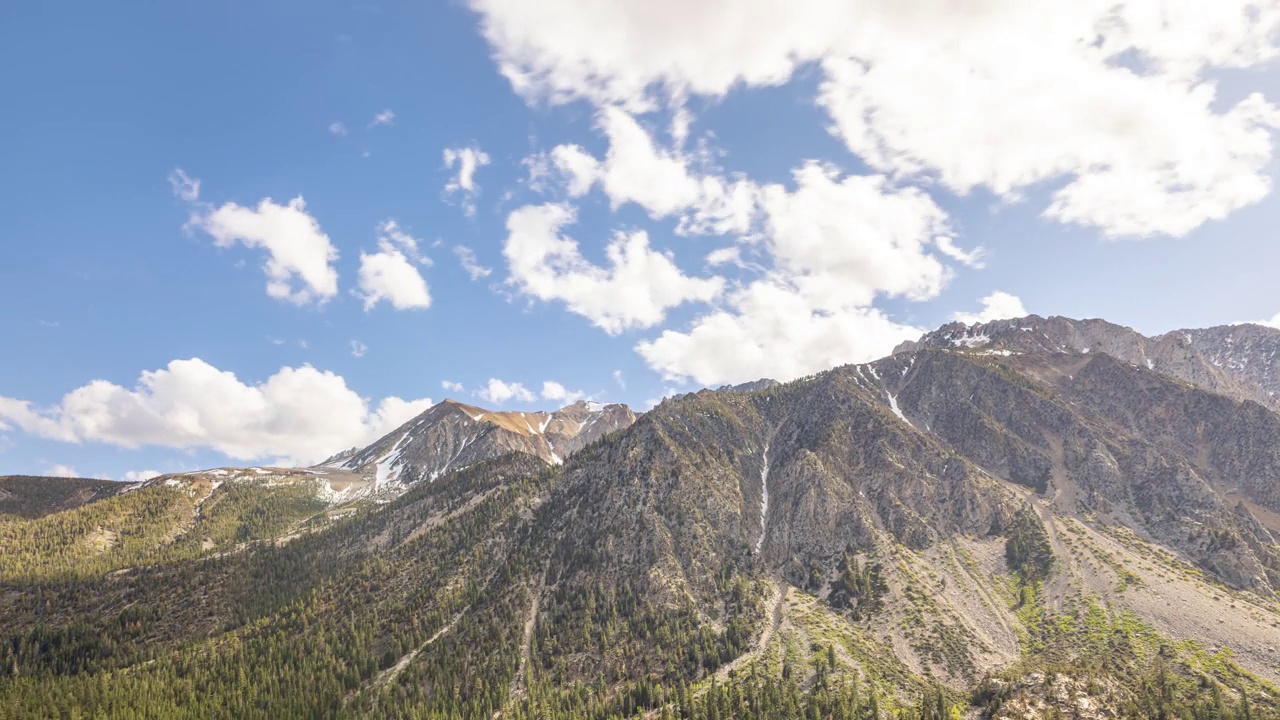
(776, 604)
(390, 673)
(518, 689)
(1059, 584)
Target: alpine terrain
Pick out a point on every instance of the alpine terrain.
(1026, 518)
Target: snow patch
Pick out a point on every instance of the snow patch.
(387, 468)
(764, 498)
(893, 405)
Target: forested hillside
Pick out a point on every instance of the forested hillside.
(957, 532)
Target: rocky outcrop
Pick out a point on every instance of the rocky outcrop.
(452, 435)
(1241, 361)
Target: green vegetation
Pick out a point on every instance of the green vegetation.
(858, 588)
(1027, 549)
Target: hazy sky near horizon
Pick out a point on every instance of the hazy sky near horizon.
(264, 232)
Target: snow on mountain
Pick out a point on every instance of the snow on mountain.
(1242, 361)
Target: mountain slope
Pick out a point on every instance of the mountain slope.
(986, 530)
(29, 496)
(1242, 361)
(452, 435)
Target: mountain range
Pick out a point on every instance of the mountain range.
(1038, 517)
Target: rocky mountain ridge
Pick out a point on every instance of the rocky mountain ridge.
(1242, 360)
(452, 435)
(995, 522)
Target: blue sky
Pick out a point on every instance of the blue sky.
(793, 224)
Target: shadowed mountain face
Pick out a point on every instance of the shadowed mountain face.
(931, 530)
(34, 496)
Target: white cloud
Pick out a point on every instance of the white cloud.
(1110, 98)
(358, 349)
(499, 392)
(136, 476)
(386, 117)
(300, 257)
(467, 160)
(664, 181)
(185, 187)
(338, 129)
(580, 169)
(617, 377)
(731, 255)
(556, 392)
(301, 414)
(842, 241)
(452, 386)
(769, 329)
(467, 258)
(838, 244)
(635, 291)
(390, 274)
(1273, 322)
(972, 258)
(998, 305)
(60, 470)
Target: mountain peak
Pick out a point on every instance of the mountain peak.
(452, 435)
(1241, 361)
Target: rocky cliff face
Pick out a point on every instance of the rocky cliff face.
(1242, 361)
(453, 435)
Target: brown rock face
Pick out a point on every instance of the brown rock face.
(452, 435)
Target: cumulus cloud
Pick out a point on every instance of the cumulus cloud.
(299, 414)
(60, 470)
(452, 386)
(769, 329)
(498, 392)
(666, 182)
(466, 160)
(1273, 322)
(838, 244)
(559, 393)
(844, 240)
(635, 291)
(1112, 100)
(135, 476)
(467, 258)
(390, 274)
(300, 257)
(998, 305)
